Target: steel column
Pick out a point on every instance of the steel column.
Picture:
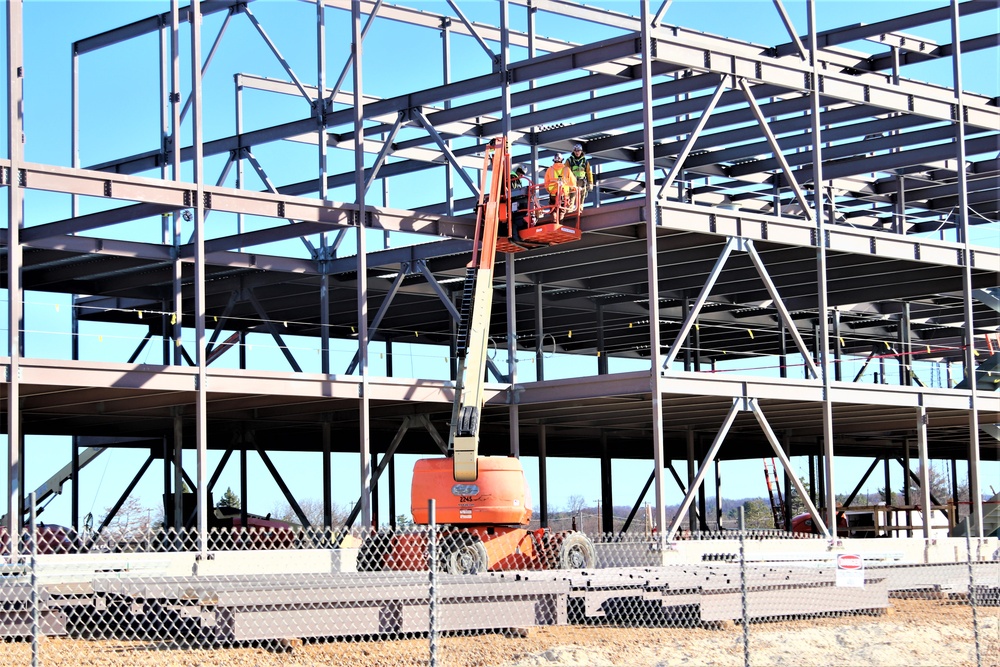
(15, 296)
(449, 181)
(821, 271)
(543, 480)
(975, 494)
(511, 278)
(838, 351)
(607, 502)
(925, 466)
(602, 355)
(718, 495)
(651, 212)
(178, 456)
(786, 447)
(325, 428)
(324, 316)
(392, 493)
(75, 490)
(201, 389)
(511, 302)
(364, 424)
(693, 515)
(244, 483)
(176, 319)
(539, 334)
(907, 471)
(905, 349)
(320, 104)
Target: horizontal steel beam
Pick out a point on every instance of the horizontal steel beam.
(160, 196)
(860, 31)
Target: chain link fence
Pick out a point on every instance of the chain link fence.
(438, 595)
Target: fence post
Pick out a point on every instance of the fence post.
(743, 590)
(972, 594)
(35, 629)
(432, 566)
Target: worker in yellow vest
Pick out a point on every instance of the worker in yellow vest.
(580, 166)
(561, 186)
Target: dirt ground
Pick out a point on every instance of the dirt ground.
(915, 633)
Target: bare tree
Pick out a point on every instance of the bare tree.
(312, 509)
(132, 523)
(940, 487)
(575, 504)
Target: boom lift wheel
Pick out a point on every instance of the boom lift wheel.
(576, 552)
(462, 553)
(373, 550)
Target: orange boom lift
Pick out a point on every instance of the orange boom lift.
(482, 503)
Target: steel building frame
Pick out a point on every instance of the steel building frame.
(757, 195)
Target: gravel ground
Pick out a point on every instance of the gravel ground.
(930, 633)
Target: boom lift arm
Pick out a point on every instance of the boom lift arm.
(492, 209)
(53, 486)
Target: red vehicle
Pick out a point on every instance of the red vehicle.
(52, 539)
(261, 532)
(803, 523)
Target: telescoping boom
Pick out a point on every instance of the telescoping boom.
(492, 210)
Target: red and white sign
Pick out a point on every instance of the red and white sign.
(850, 571)
(850, 562)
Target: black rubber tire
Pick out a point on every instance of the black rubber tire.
(373, 550)
(462, 553)
(576, 552)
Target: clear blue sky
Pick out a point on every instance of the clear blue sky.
(118, 103)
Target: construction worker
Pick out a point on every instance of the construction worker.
(519, 198)
(517, 178)
(580, 166)
(560, 184)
